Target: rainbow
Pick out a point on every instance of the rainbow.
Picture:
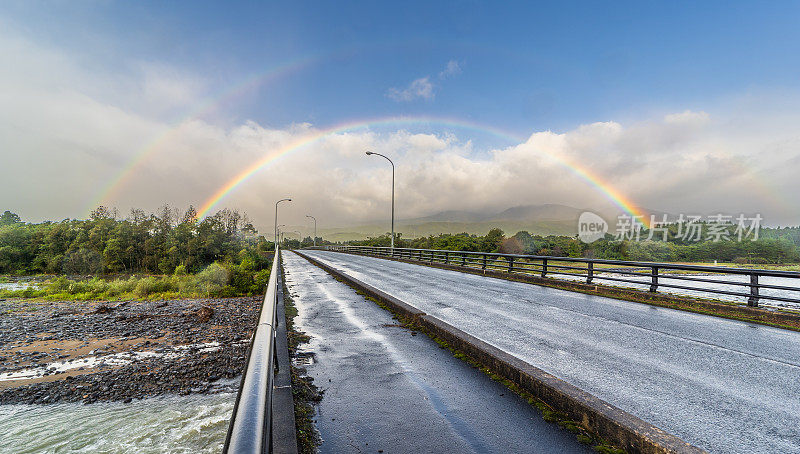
(586, 175)
(108, 191)
(203, 108)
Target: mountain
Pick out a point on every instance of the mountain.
(449, 216)
(548, 212)
(549, 219)
(532, 213)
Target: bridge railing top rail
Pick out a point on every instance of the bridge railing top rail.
(716, 280)
(250, 427)
(627, 263)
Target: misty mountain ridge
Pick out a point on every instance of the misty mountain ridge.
(545, 219)
(546, 212)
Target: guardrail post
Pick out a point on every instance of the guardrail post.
(753, 300)
(654, 280)
(544, 267)
(511, 264)
(446, 258)
(589, 272)
(463, 259)
(483, 266)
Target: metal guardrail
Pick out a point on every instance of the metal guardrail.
(250, 427)
(650, 274)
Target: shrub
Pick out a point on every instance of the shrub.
(260, 280)
(151, 285)
(212, 279)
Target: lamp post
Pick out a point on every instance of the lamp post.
(280, 232)
(276, 217)
(315, 228)
(370, 153)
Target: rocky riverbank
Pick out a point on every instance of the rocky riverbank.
(101, 351)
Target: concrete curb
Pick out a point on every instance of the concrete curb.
(696, 305)
(613, 424)
(284, 435)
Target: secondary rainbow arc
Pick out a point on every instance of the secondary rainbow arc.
(595, 181)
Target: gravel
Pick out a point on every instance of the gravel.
(168, 347)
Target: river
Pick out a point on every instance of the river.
(190, 424)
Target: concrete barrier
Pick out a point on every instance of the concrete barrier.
(611, 423)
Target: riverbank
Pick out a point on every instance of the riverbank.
(119, 351)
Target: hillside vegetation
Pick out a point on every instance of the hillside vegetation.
(142, 255)
(774, 246)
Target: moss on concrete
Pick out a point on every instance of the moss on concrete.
(306, 395)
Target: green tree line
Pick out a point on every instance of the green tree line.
(774, 245)
(169, 242)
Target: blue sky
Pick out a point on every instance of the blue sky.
(677, 106)
(524, 66)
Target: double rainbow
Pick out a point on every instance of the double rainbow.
(202, 109)
(583, 173)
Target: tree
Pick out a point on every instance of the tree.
(9, 218)
(492, 241)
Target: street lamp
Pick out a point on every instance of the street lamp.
(276, 217)
(315, 228)
(370, 153)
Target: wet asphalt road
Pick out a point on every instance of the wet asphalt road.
(723, 385)
(386, 389)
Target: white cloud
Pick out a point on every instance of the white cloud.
(66, 133)
(452, 69)
(421, 88)
(687, 116)
(164, 88)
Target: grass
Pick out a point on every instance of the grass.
(211, 282)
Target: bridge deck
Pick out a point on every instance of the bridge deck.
(723, 385)
(388, 390)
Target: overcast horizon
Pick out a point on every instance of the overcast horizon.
(679, 108)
